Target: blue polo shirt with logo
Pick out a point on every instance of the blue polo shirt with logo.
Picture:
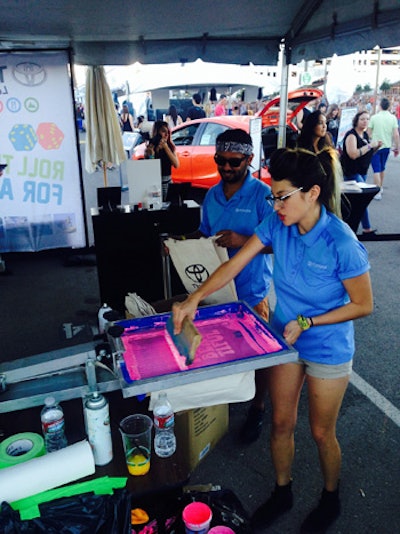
(241, 214)
(308, 273)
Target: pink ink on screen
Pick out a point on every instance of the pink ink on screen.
(226, 338)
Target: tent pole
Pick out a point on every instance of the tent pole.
(283, 97)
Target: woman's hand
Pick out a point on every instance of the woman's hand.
(292, 332)
(180, 310)
(376, 144)
(149, 151)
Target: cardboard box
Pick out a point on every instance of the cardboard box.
(199, 430)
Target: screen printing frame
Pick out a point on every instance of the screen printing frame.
(62, 373)
(148, 385)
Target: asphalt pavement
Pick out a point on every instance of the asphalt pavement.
(50, 301)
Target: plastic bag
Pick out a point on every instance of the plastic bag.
(82, 514)
(138, 307)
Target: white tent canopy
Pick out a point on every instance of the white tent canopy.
(197, 73)
(192, 76)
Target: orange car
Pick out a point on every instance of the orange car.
(297, 100)
(195, 140)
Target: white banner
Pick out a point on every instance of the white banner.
(346, 120)
(41, 203)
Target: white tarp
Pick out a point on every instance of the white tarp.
(239, 387)
(342, 79)
(40, 195)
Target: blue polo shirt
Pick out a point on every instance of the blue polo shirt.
(241, 214)
(308, 274)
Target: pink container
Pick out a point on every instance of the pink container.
(197, 518)
(221, 530)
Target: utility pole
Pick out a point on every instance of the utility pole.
(377, 80)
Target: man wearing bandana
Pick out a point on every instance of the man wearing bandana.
(231, 210)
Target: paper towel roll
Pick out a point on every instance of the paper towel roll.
(47, 472)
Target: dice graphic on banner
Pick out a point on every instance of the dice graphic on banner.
(49, 135)
(23, 137)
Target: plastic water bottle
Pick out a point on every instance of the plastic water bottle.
(164, 421)
(53, 426)
(156, 199)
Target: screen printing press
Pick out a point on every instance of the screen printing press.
(139, 356)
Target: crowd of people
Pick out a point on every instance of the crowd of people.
(366, 144)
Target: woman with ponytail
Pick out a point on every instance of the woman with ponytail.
(322, 283)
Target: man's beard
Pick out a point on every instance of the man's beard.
(232, 177)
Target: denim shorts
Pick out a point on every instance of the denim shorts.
(379, 159)
(322, 370)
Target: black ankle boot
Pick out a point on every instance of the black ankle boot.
(280, 501)
(324, 514)
(251, 430)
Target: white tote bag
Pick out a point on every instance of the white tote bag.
(195, 260)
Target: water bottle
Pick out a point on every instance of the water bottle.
(52, 417)
(155, 194)
(164, 420)
(102, 321)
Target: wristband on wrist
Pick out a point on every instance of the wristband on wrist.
(303, 322)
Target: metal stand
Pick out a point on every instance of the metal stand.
(66, 374)
(166, 268)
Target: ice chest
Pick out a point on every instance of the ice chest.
(234, 339)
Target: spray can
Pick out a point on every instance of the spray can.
(98, 429)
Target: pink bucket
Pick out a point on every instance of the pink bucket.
(197, 518)
(221, 530)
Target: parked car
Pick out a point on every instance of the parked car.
(297, 100)
(195, 140)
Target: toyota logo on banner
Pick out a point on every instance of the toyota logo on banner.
(197, 273)
(30, 74)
